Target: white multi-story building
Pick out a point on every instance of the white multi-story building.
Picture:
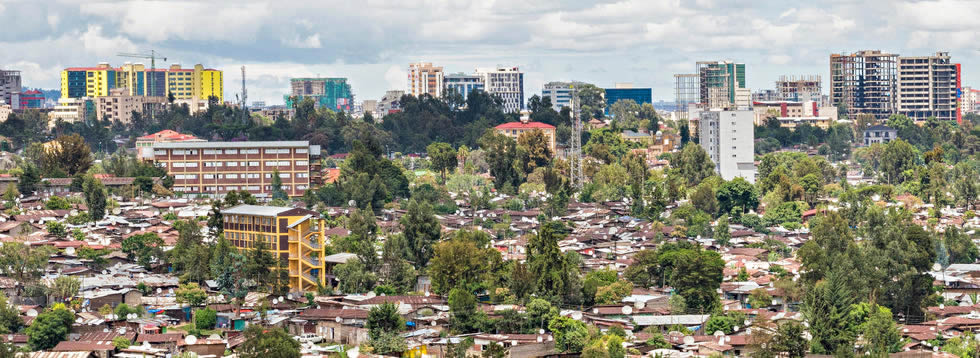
(560, 93)
(70, 110)
(729, 139)
(507, 83)
(424, 78)
(927, 86)
(389, 103)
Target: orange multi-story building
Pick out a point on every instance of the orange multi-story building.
(215, 168)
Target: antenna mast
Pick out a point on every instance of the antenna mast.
(575, 157)
(244, 98)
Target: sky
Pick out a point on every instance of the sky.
(371, 42)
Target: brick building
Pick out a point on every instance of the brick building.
(215, 168)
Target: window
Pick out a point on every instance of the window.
(208, 176)
(231, 151)
(283, 163)
(212, 164)
(302, 150)
(231, 164)
(231, 176)
(211, 151)
(190, 164)
(159, 152)
(250, 151)
(178, 164)
(284, 175)
(270, 163)
(302, 175)
(302, 162)
(252, 175)
(253, 164)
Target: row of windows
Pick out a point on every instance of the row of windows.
(239, 176)
(270, 163)
(269, 239)
(238, 219)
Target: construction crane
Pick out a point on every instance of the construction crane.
(153, 56)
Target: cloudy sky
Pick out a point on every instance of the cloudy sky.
(372, 41)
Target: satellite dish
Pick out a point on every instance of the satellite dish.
(159, 290)
(513, 343)
(190, 339)
(541, 331)
(627, 310)
(640, 305)
(937, 267)
(433, 323)
(70, 251)
(214, 337)
(339, 320)
(688, 340)
(275, 301)
(426, 293)
(32, 313)
(577, 316)
(719, 334)
(171, 291)
(280, 299)
(540, 339)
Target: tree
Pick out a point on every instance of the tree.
(144, 248)
(353, 277)
(443, 158)
(277, 192)
(384, 318)
(502, 157)
(68, 154)
(570, 335)
(789, 339)
(56, 229)
(722, 234)
(697, 275)
(65, 287)
(22, 262)
(880, 333)
(121, 342)
(95, 197)
(464, 313)
(49, 328)
(826, 308)
(30, 178)
(459, 263)
(897, 157)
(205, 318)
(388, 343)
(693, 164)
(545, 261)
(723, 323)
(534, 150)
(704, 198)
(395, 271)
(760, 298)
(192, 294)
(737, 193)
(268, 342)
(10, 321)
(259, 264)
(421, 231)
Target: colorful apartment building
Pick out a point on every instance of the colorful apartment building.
(293, 235)
(515, 129)
(31, 99)
(215, 168)
(197, 83)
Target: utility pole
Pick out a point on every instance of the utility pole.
(575, 157)
(244, 98)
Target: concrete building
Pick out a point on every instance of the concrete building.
(390, 103)
(717, 82)
(274, 112)
(5, 111)
(370, 106)
(743, 98)
(294, 236)
(195, 105)
(507, 83)
(31, 99)
(766, 95)
(425, 78)
(515, 129)
(804, 88)
(879, 134)
(119, 105)
(197, 83)
(969, 100)
(71, 110)
(687, 91)
(929, 86)
(626, 91)
(9, 85)
(560, 93)
(864, 82)
(332, 93)
(215, 168)
(463, 83)
(729, 139)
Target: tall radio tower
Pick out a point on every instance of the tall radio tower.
(575, 157)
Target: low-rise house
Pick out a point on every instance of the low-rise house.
(346, 326)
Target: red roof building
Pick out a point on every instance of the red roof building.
(515, 129)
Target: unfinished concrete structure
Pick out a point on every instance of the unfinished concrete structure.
(9, 85)
(928, 87)
(718, 81)
(686, 90)
(804, 88)
(865, 82)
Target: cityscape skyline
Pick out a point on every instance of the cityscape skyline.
(601, 43)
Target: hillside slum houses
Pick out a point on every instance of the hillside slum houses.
(602, 234)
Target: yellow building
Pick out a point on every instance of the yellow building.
(197, 83)
(294, 234)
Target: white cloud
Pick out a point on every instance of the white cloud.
(182, 20)
(312, 41)
(53, 20)
(397, 77)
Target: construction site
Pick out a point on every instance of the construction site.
(864, 82)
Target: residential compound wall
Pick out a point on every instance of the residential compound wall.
(215, 168)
